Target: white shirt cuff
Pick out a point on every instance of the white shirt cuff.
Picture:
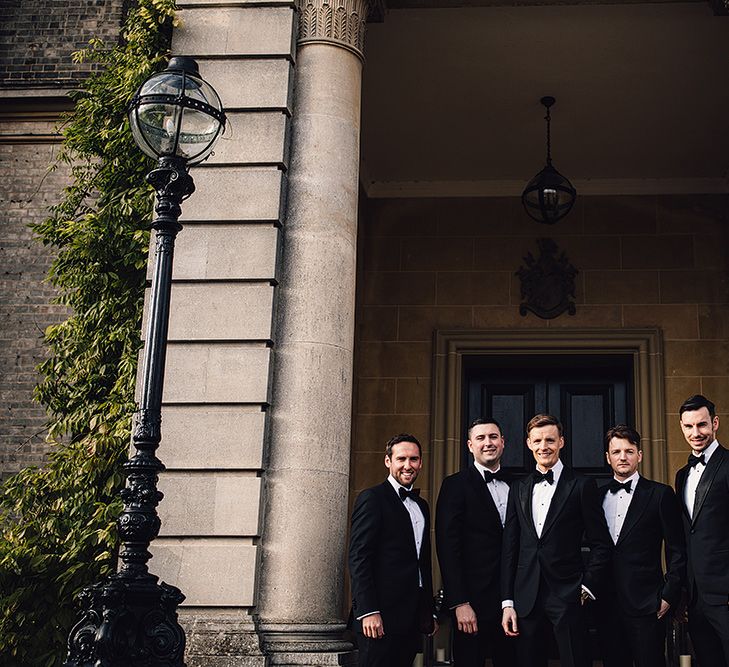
(369, 613)
(507, 603)
(588, 591)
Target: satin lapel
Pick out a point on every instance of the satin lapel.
(561, 493)
(526, 487)
(707, 478)
(638, 505)
(681, 490)
(399, 511)
(479, 483)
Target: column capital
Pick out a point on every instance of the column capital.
(337, 22)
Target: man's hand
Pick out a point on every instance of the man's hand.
(372, 626)
(664, 609)
(466, 618)
(508, 622)
(584, 596)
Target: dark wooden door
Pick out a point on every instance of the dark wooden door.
(588, 393)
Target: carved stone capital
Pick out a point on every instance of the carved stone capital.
(337, 22)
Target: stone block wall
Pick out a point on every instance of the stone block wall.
(643, 261)
(38, 37)
(221, 329)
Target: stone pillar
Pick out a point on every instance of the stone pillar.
(300, 602)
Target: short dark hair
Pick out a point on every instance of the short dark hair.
(480, 421)
(538, 421)
(402, 437)
(696, 402)
(622, 432)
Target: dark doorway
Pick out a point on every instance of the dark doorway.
(587, 392)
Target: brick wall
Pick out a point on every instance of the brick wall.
(644, 261)
(26, 191)
(37, 38)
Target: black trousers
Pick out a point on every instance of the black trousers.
(471, 650)
(709, 629)
(630, 640)
(566, 619)
(391, 650)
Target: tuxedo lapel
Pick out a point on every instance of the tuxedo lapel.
(479, 484)
(402, 516)
(561, 493)
(526, 488)
(707, 478)
(680, 490)
(638, 504)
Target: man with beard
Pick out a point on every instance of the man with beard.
(389, 562)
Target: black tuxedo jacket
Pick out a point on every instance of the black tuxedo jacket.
(556, 556)
(707, 533)
(468, 536)
(653, 520)
(383, 561)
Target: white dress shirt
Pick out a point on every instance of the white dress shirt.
(499, 491)
(694, 477)
(615, 506)
(542, 497)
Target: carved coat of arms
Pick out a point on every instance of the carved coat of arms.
(547, 282)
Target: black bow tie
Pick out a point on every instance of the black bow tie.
(544, 477)
(615, 486)
(695, 460)
(491, 476)
(404, 493)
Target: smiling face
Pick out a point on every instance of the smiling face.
(545, 443)
(699, 428)
(623, 457)
(405, 462)
(486, 444)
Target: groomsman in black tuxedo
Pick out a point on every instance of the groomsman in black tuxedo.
(644, 520)
(469, 523)
(544, 579)
(389, 562)
(702, 487)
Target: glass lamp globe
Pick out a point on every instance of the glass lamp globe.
(176, 113)
(549, 196)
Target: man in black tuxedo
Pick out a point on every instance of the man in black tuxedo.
(544, 578)
(389, 562)
(644, 519)
(469, 523)
(702, 487)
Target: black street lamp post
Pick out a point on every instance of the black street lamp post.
(130, 619)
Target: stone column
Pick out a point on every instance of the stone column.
(300, 602)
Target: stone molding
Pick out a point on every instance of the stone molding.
(337, 22)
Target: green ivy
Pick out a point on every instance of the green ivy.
(57, 523)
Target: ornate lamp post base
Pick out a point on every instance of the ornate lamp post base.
(128, 624)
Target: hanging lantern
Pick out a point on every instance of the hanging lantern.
(549, 196)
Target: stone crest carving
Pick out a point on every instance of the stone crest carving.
(547, 282)
(340, 22)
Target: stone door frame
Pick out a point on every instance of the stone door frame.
(644, 345)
